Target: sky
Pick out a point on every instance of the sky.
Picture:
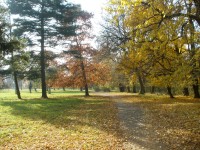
(95, 7)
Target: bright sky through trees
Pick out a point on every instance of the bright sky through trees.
(95, 7)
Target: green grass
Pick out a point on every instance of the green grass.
(25, 94)
(67, 120)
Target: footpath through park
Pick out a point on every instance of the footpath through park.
(135, 131)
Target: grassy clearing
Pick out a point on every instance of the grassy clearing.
(65, 121)
(68, 120)
(174, 122)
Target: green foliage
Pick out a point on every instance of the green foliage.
(57, 17)
(49, 20)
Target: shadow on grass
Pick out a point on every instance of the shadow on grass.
(69, 113)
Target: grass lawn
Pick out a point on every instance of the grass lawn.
(67, 120)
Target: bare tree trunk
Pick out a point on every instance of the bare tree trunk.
(84, 78)
(196, 89)
(169, 90)
(197, 4)
(142, 88)
(152, 89)
(42, 59)
(193, 49)
(16, 85)
(186, 91)
(17, 91)
(128, 89)
(134, 89)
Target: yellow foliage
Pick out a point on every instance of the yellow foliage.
(158, 47)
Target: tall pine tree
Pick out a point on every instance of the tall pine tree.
(9, 46)
(45, 20)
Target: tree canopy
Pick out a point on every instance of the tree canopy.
(161, 42)
(47, 20)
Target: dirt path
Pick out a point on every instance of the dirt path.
(136, 133)
(135, 130)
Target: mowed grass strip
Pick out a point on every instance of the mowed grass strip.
(61, 122)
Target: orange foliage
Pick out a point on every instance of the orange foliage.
(97, 74)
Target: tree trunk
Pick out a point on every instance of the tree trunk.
(121, 87)
(152, 89)
(196, 89)
(16, 85)
(128, 89)
(142, 88)
(49, 90)
(84, 78)
(42, 59)
(30, 87)
(197, 5)
(134, 89)
(169, 90)
(21, 84)
(186, 91)
(81, 89)
(17, 91)
(193, 50)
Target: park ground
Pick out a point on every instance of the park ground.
(113, 121)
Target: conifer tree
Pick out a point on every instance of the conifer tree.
(44, 20)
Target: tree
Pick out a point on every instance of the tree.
(79, 48)
(112, 41)
(51, 77)
(160, 31)
(45, 20)
(9, 46)
(81, 68)
(33, 69)
(97, 73)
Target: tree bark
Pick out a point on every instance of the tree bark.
(196, 89)
(16, 85)
(186, 91)
(142, 87)
(169, 90)
(42, 59)
(197, 5)
(134, 89)
(121, 87)
(17, 91)
(128, 89)
(152, 89)
(84, 78)
(30, 87)
(193, 48)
